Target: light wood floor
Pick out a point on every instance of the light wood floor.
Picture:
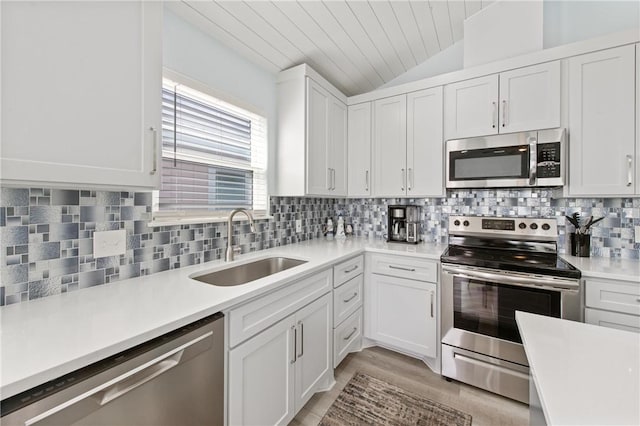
(413, 375)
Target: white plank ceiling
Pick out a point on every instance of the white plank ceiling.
(356, 45)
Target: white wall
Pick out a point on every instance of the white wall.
(564, 21)
(191, 52)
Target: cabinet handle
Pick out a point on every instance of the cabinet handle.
(301, 324)
(402, 268)
(366, 181)
(351, 334)
(155, 150)
(638, 300)
(333, 186)
(346, 271)
(329, 178)
(295, 343)
(410, 179)
(402, 175)
(504, 113)
(351, 298)
(494, 115)
(431, 304)
(629, 170)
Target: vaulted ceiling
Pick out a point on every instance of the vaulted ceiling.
(356, 45)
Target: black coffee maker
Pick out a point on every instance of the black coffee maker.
(403, 224)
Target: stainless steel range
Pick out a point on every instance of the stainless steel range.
(492, 268)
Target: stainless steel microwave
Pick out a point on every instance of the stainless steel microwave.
(526, 159)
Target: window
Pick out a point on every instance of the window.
(214, 156)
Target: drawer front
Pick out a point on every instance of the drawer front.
(346, 299)
(347, 270)
(405, 267)
(347, 337)
(250, 319)
(612, 320)
(616, 296)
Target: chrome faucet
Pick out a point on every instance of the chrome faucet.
(229, 252)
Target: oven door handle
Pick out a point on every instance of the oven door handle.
(519, 280)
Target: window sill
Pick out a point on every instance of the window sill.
(155, 223)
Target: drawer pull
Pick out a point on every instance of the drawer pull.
(402, 268)
(346, 271)
(351, 334)
(351, 298)
(431, 304)
(638, 299)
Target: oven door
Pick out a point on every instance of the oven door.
(492, 161)
(479, 305)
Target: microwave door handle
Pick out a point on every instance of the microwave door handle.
(533, 160)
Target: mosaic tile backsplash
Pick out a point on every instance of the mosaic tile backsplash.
(47, 234)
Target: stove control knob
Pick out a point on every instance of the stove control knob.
(465, 223)
(534, 226)
(456, 222)
(522, 225)
(545, 227)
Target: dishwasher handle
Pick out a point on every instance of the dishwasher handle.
(112, 389)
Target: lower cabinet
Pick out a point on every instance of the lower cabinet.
(272, 375)
(613, 304)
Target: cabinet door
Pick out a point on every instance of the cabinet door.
(637, 159)
(390, 147)
(471, 108)
(338, 146)
(425, 158)
(318, 169)
(403, 314)
(261, 377)
(530, 98)
(314, 349)
(81, 92)
(602, 122)
(359, 141)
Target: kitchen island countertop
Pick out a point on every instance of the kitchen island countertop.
(583, 374)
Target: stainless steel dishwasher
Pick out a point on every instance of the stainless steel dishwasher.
(175, 379)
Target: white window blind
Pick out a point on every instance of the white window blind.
(214, 155)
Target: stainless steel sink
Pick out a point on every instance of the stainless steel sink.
(248, 272)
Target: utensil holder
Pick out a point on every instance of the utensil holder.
(580, 244)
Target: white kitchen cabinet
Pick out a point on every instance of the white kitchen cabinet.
(81, 110)
(348, 279)
(359, 150)
(401, 305)
(312, 136)
(522, 99)
(262, 377)
(390, 147)
(403, 314)
(602, 123)
(425, 144)
(314, 352)
(274, 373)
(612, 303)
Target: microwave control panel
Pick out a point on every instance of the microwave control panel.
(548, 160)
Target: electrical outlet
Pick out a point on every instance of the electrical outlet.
(298, 225)
(109, 243)
(638, 234)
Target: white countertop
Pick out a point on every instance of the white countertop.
(606, 267)
(43, 339)
(584, 374)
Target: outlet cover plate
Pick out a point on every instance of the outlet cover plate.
(109, 243)
(637, 234)
(298, 225)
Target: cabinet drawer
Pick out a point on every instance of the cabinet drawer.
(347, 337)
(615, 296)
(612, 320)
(405, 267)
(248, 320)
(347, 270)
(346, 299)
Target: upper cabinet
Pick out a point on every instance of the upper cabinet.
(513, 101)
(312, 136)
(359, 150)
(408, 145)
(602, 120)
(81, 93)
